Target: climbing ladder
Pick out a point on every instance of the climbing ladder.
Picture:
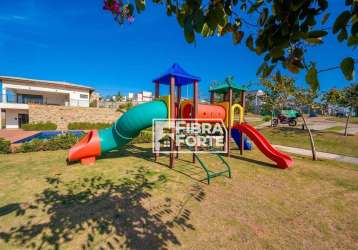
(211, 157)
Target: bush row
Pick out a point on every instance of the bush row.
(88, 125)
(39, 126)
(4, 146)
(125, 106)
(143, 137)
(267, 118)
(65, 141)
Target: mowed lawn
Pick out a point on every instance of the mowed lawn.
(128, 201)
(325, 141)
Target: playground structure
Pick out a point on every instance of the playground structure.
(129, 125)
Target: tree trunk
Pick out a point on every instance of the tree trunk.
(313, 147)
(346, 127)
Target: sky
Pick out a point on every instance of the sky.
(79, 42)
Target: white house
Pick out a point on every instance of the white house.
(18, 93)
(144, 96)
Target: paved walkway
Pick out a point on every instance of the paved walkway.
(322, 155)
(14, 135)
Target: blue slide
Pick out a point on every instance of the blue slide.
(235, 133)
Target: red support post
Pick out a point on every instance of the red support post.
(156, 96)
(156, 90)
(172, 117)
(212, 97)
(178, 112)
(195, 108)
(229, 125)
(242, 103)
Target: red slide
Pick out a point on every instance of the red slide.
(282, 160)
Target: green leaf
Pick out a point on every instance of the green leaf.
(352, 41)
(250, 42)
(317, 33)
(312, 78)
(341, 21)
(199, 21)
(354, 29)
(205, 32)
(325, 18)
(189, 31)
(130, 9)
(261, 68)
(278, 75)
(343, 35)
(220, 15)
(237, 37)
(267, 71)
(291, 67)
(140, 5)
(323, 4)
(314, 40)
(347, 67)
(276, 52)
(255, 6)
(295, 5)
(263, 16)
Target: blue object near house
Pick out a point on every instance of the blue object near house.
(45, 135)
(237, 138)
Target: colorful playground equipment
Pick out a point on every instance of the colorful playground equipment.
(128, 126)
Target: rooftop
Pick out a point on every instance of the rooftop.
(45, 82)
(180, 75)
(223, 87)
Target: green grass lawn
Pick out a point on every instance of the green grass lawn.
(326, 141)
(343, 119)
(127, 201)
(334, 129)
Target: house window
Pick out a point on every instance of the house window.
(82, 96)
(30, 99)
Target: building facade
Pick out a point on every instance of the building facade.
(17, 94)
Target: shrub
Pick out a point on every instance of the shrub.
(39, 126)
(87, 125)
(125, 106)
(143, 137)
(266, 118)
(5, 146)
(93, 104)
(65, 141)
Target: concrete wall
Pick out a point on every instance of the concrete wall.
(63, 115)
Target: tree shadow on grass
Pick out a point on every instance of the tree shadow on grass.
(95, 208)
(186, 167)
(257, 162)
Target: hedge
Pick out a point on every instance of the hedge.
(143, 137)
(87, 125)
(65, 141)
(125, 106)
(39, 126)
(5, 146)
(267, 118)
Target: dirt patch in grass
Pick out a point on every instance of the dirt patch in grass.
(330, 142)
(128, 201)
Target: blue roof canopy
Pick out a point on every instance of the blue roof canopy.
(180, 75)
